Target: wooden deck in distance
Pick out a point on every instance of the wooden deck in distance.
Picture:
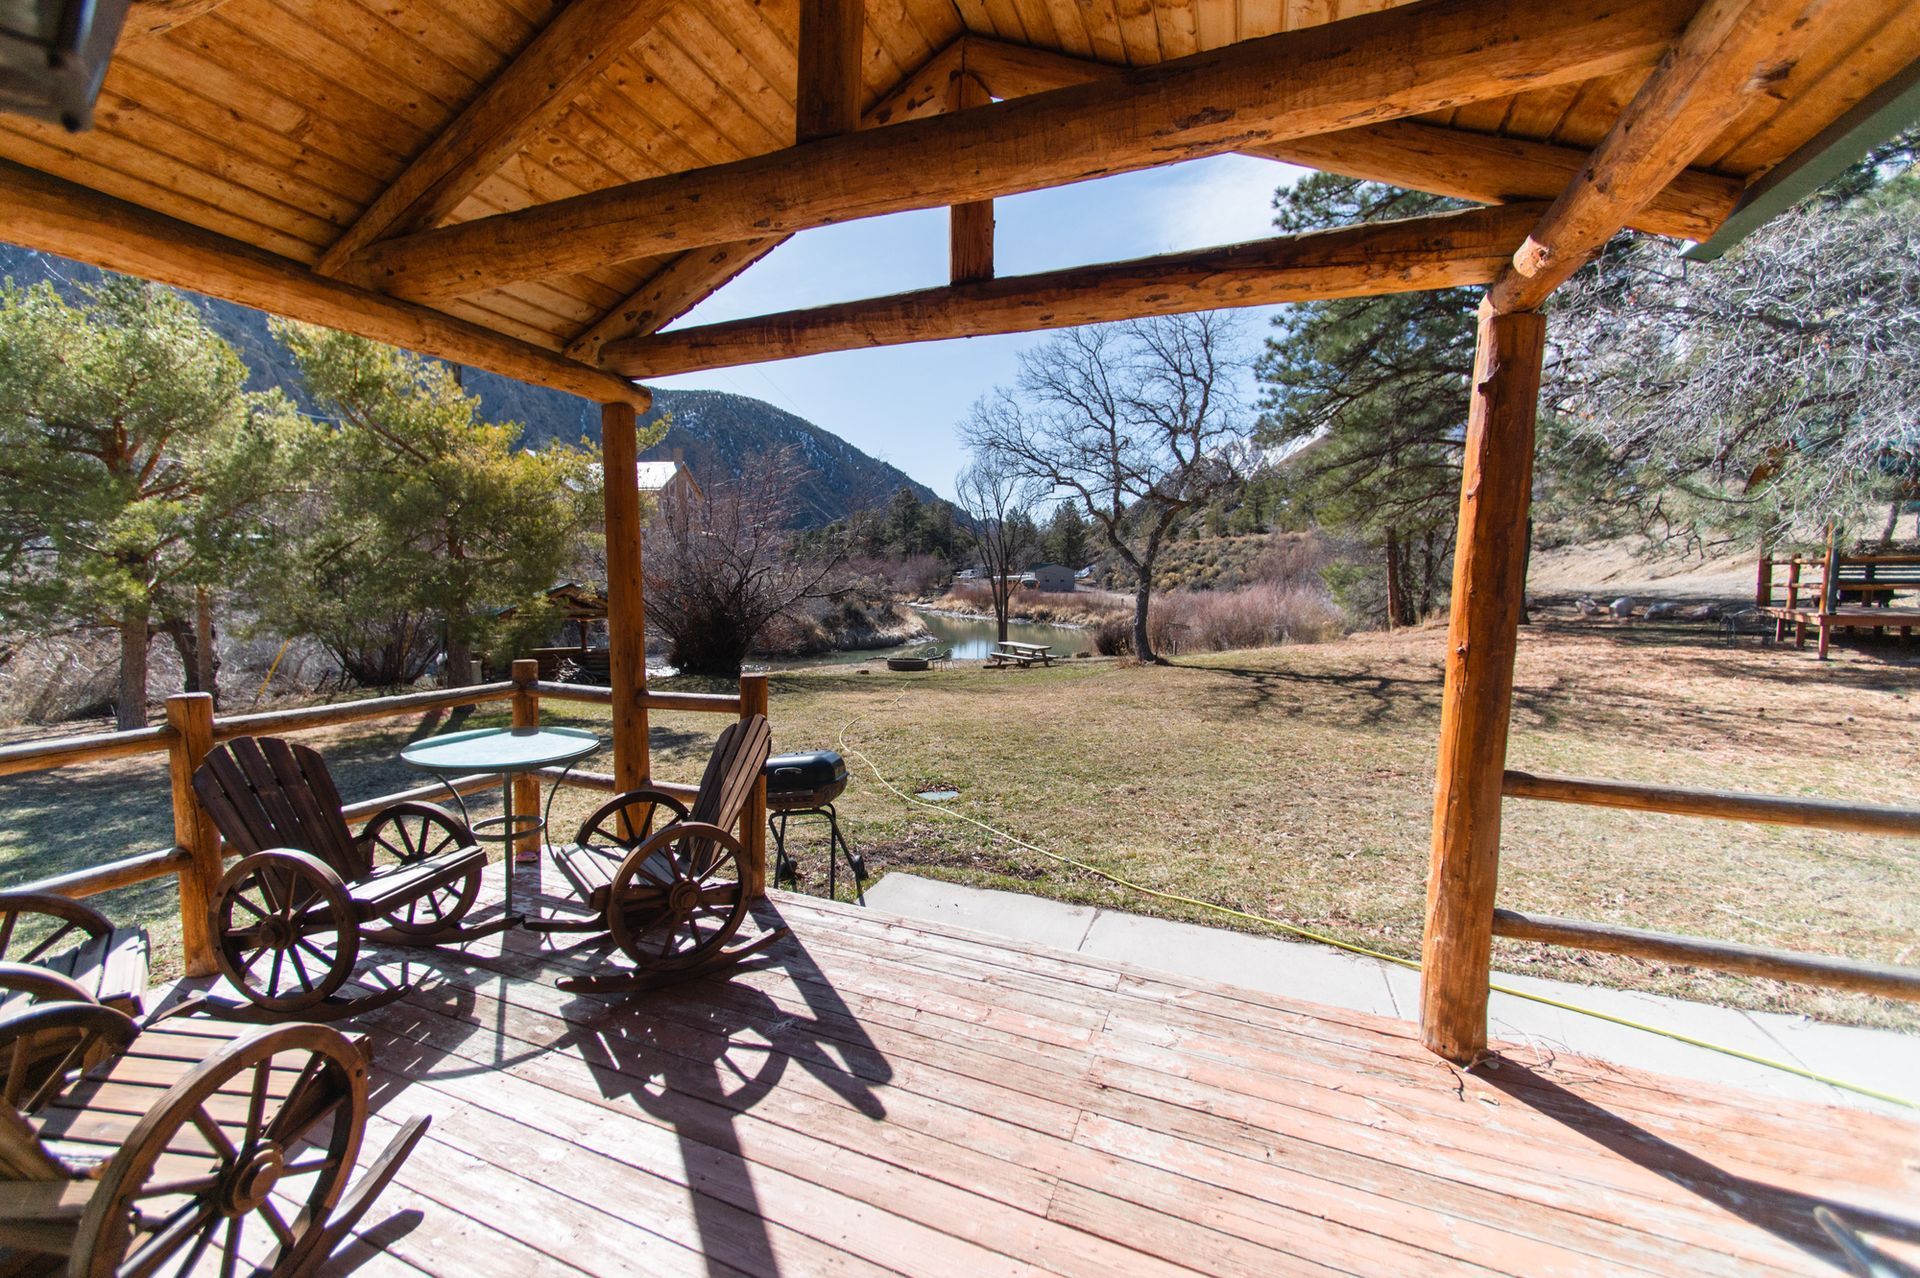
(879, 1096)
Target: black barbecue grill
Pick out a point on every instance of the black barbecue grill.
(806, 785)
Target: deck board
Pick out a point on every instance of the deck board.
(883, 1096)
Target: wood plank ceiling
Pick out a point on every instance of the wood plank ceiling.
(277, 122)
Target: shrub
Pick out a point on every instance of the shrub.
(1114, 637)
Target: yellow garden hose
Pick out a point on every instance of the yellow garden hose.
(1322, 938)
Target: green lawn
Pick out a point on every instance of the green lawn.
(1294, 783)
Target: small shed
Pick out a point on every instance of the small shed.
(1053, 577)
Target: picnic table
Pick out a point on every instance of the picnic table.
(1020, 654)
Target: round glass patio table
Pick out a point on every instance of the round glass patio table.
(509, 752)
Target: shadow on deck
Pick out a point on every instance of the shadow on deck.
(874, 1095)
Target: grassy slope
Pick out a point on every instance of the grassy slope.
(1297, 782)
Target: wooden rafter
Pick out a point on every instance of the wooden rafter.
(56, 216)
(1731, 52)
(1408, 153)
(537, 86)
(1445, 250)
(1380, 66)
(692, 277)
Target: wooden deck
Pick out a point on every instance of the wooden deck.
(883, 1096)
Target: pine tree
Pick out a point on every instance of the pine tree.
(1370, 394)
(135, 468)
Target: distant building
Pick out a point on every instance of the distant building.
(1052, 577)
(667, 481)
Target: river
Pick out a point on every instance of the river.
(970, 638)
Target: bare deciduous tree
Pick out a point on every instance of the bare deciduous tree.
(722, 564)
(1136, 422)
(999, 502)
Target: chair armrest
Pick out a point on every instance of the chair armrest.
(115, 1026)
(647, 794)
(52, 904)
(42, 983)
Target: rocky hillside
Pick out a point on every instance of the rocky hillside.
(715, 432)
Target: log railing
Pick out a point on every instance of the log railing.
(1747, 960)
(191, 729)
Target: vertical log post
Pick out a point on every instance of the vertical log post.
(1763, 586)
(526, 714)
(1829, 588)
(1482, 632)
(626, 602)
(969, 226)
(830, 84)
(753, 818)
(190, 715)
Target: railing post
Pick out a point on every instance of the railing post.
(190, 715)
(753, 818)
(526, 714)
(1489, 564)
(1763, 588)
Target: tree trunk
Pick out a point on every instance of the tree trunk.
(131, 710)
(459, 659)
(1526, 562)
(1142, 597)
(1395, 617)
(206, 664)
(1001, 604)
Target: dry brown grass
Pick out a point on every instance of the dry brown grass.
(1297, 782)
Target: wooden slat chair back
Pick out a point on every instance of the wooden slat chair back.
(732, 769)
(268, 793)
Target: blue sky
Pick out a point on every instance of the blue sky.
(903, 403)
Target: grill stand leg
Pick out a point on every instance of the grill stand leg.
(837, 847)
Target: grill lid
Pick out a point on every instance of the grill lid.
(813, 771)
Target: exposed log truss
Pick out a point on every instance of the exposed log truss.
(1379, 67)
(1447, 250)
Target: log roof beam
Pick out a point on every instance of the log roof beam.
(56, 216)
(694, 276)
(1732, 52)
(1409, 153)
(1446, 250)
(1404, 61)
(530, 93)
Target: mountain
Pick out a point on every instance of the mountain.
(714, 432)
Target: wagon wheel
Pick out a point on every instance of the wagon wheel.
(626, 820)
(244, 1158)
(678, 898)
(409, 832)
(68, 922)
(288, 932)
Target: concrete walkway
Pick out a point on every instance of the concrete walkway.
(1880, 1059)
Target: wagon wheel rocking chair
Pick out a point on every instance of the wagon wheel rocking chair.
(672, 898)
(77, 941)
(161, 1146)
(291, 913)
